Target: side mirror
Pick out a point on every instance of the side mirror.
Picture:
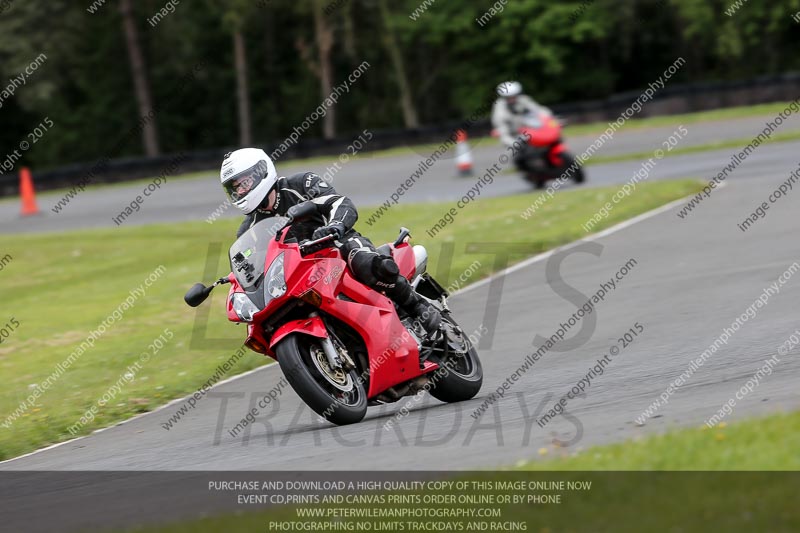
(302, 211)
(404, 232)
(197, 294)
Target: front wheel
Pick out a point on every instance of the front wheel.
(334, 394)
(536, 179)
(460, 375)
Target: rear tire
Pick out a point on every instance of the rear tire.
(577, 175)
(336, 406)
(461, 375)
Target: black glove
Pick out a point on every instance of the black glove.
(336, 228)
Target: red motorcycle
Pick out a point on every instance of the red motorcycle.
(341, 345)
(546, 156)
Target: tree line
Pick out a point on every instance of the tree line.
(213, 73)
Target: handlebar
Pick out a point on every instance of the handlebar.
(311, 244)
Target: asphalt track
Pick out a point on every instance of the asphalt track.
(693, 277)
(371, 180)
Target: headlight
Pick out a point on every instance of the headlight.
(275, 285)
(243, 307)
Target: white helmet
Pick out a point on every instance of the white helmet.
(509, 89)
(247, 175)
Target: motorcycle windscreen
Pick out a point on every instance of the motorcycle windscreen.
(248, 255)
(531, 121)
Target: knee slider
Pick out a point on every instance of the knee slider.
(385, 269)
(360, 263)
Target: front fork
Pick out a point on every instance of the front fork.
(427, 287)
(331, 354)
(554, 155)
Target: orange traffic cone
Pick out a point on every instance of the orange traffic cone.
(463, 154)
(26, 192)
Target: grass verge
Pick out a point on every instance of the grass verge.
(65, 285)
(768, 443)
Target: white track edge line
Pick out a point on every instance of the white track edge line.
(140, 415)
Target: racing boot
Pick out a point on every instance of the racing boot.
(428, 317)
(399, 290)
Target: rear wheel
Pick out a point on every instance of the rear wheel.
(577, 174)
(334, 394)
(461, 375)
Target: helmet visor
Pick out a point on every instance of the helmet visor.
(243, 183)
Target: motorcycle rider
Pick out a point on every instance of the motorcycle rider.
(508, 113)
(252, 184)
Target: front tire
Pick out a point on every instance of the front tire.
(461, 374)
(535, 179)
(325, 395)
